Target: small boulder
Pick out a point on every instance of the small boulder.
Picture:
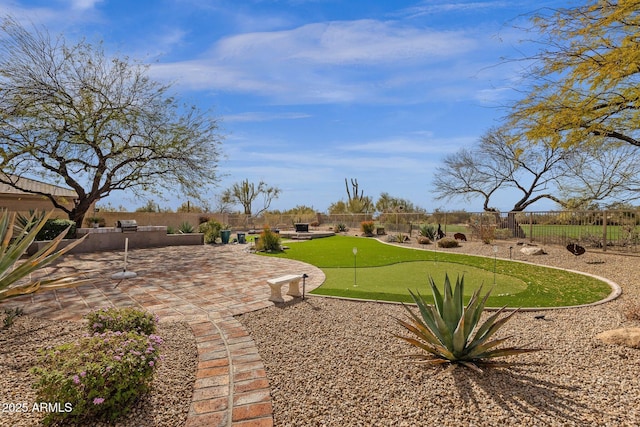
(532, 250)
(628, 337)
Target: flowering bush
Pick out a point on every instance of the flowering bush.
(100, 375)
(122, 319)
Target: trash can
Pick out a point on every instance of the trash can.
(241, 238)
(225, 235)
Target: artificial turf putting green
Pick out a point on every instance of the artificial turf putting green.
(386, 272)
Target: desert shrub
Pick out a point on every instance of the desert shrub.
(171, 230)
(429, 231)
(447, 330)
(211, 230)
(122, 319)
(502, 233)
(53, 227)
(99, 376)
(186, 228)
(367, 227)
(202, 219)
(423, 240)
(341, 228)
(268, 241)
(448, 243)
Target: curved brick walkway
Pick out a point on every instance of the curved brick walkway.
(203, 285)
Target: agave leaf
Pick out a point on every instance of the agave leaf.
(41, 258)
(474, 310)
(11, 270)
(491, 326)
(475, 351)
(459, 339)
(509, 351)
(423, 333)
(427, 313)
(450, 312)
(437, 296)
(471, 365)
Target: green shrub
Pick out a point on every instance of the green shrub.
(445, 330)
(122, 319)
(268, 241)
(367, 227)
(429, 231)
(211, 230)
(171, 230)
(341, 228)
(448, 243)
(99, 376)
(186, 228)
(53, 227)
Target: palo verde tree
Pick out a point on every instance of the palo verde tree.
(245, 193)
(585, 79)
(73, 115)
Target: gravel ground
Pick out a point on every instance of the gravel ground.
(335, 363)
(166, 405)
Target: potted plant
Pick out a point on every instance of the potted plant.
(225, 234)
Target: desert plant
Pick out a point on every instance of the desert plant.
(10, 315)
(211, 230)
(98, 376)
(423, 240)
(448, 243)
(122, 319)
(341, 228)
(367, 227)
(447, 330)
(268, 241)
(186, 228)
(13, 272)
(428, 231)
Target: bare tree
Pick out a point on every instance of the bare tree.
(72, 115)
(498, 162)
(245, 193)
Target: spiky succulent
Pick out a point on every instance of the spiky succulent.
(447, 331)
(14, 242)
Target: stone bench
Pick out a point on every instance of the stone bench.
(293, 280)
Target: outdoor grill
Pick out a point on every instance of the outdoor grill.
(127, 225)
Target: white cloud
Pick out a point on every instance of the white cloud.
(255, 116)
(84, 4)
(334, 62)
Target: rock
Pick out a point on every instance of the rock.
(628, 337)
(532, 250)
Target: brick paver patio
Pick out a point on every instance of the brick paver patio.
(203, 285)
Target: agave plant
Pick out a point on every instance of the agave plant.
(447, 331)
(15, 274)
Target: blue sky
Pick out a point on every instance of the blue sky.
(314, 91)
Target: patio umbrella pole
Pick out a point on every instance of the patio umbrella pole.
(124, 274)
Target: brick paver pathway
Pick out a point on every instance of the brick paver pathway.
(203, 285)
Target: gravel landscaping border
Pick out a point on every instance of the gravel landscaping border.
(336, 363)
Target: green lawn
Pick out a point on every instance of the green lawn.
(386, 272)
